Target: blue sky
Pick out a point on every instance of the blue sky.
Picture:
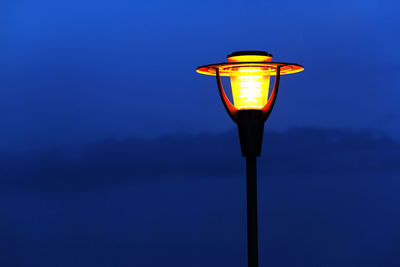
(115, 152)
(76, 71)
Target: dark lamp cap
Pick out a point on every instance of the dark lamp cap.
(249, 53)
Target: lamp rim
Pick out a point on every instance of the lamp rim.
(225, 67)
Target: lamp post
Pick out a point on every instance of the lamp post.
(250, 73)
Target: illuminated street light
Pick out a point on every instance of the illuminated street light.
(250, 73)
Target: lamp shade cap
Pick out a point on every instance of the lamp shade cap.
(249, 53)
(250, 56)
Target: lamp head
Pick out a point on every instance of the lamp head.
(249, 72)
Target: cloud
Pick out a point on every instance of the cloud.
(296, 151)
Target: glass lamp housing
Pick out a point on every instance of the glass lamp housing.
(250, 87)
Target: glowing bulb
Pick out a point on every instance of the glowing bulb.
(249, 87)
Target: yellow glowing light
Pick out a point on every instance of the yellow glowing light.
(250, 86)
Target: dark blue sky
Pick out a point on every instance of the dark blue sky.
(75, 71)
(326, 198)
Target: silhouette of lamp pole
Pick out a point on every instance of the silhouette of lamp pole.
(250, 73)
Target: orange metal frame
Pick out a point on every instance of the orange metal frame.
(230, 108)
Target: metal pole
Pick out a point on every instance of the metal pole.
(252, 239)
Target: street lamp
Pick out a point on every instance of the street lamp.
(250, 72)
